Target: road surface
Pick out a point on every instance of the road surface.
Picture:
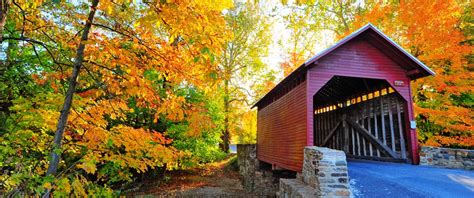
(381, 179)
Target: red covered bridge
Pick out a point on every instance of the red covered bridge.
(355, 96)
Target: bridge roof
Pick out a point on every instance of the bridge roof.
(414, 67)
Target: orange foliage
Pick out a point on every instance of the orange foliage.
(143, 52)
(430, 30)
(440, 141)
(293, 62)
(167, 40)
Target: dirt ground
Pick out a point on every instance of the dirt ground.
(220, 179)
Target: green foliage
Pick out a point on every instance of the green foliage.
(464, 100)
(202, 148)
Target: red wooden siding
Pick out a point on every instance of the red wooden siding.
(281, 127)
(358, 58)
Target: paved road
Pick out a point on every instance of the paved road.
(380, 179)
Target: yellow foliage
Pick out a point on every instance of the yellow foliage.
(78, 188)
(47, 185)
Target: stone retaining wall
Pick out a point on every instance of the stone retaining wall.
(324, 175)
(447, 157)
(248, 163)
(260, 182)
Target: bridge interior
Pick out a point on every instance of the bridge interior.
(366, 118)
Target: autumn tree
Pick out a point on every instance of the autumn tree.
(443, 102)
(301, 44)
(71, 88)
(134, 86)
(315, 24)
(240, 63)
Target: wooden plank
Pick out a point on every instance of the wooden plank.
(336, 136)
(390, 117)
(383, 148)
(376, 126)
(315, 129)
(331, 127)
(350, 109)
(345, 128)
(369, 124)
(331, 124)
(357, 135)
(326, 126)
(340, 131)
(400, 130)
(333, 131)
(352, 139)
(334, 140)
(382, 119)
(321, 131)
(318, 122)
(320, 134)
(361, 122)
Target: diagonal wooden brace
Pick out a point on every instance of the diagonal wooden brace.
(382, 147)
(331, 133)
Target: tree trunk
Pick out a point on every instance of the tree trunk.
(225, 137)
(5, 101)
(4, 6)
(56, 150)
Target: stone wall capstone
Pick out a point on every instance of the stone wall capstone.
(447, 157)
